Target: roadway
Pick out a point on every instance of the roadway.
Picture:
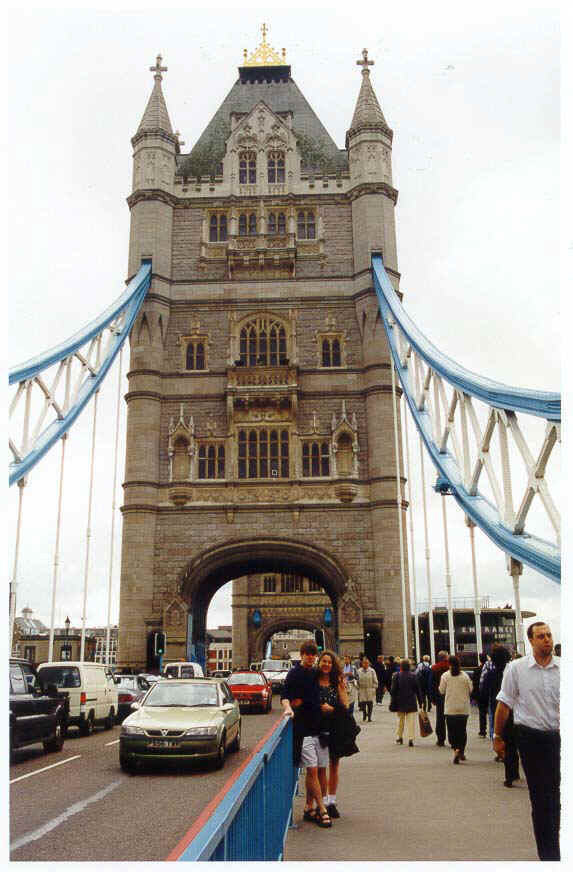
(78, 805)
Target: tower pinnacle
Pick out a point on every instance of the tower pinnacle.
(367, 112)
(158, 69)
(364, 63)
(156, 116)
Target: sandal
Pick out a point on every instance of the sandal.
(310, 814)
(323, 819)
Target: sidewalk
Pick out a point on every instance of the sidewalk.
(401, 803)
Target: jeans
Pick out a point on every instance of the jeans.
(540, 753)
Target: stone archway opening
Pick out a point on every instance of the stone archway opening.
(212, 569)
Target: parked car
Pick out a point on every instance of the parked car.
(183, 669)
(150, 677)
(130, 688)
(181, 719)
(38, 713)
(251, 690)
(91, 692)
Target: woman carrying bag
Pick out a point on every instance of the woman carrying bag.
(456, 687)
(405, 696)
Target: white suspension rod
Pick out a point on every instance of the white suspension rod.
(14, 582)
(477, 606)
(452, 642)
(515, 569)
(411, 521)
(399, 505)
(112, 537)
(57, 551)
(427, 555)
(88, 531)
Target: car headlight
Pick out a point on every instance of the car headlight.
(201, 731)
(127, 730)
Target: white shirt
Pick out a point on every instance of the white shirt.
(532, 691)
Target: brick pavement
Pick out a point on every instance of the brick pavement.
(401, 803)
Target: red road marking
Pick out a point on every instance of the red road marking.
(210, 808)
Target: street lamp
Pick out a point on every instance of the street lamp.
(66, 646)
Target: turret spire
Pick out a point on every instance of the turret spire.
(156, 116)
(367, 111)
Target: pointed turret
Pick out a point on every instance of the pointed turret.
(367, 113)
(156, 116)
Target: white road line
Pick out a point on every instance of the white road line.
(115, 742)
(68, 813)
(45, 768)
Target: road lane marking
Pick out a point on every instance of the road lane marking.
(60, 819)
(45, 768)
(115, 742)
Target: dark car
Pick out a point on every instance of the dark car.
(37, 713)
(252, 690)
(130, 688)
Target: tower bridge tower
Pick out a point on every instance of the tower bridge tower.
(260, 427)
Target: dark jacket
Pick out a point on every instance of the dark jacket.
(437, 670)
(380, 674)
(301, 683)
(405, 692)
(343, 732)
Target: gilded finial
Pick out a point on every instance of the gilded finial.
(158, 69)
(264, 55)
(365, 63)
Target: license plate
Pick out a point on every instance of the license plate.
(163, 743)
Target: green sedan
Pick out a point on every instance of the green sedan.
(181, 719)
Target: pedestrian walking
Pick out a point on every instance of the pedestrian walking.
(300, 699)
(480, 701)
(367, 683)
(405, 694)
(530, 688)
(424, 676)
(455, 688)
(438, 669)
(351, 680)
(483, 683)
(333, 706)
(380, 675)
(500, 657)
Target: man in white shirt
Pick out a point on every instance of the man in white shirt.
(530, 687)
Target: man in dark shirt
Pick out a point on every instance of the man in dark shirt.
(300, 699)
(438, 669)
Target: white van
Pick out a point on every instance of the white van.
(91, 691)
(183, 670)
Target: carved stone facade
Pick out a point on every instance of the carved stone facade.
(260, 428)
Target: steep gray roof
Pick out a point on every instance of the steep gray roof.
(318, 149)
(156, 116)
(367, 111)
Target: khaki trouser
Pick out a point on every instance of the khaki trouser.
(408, 719)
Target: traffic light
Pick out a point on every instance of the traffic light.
(319, 639)
(159, 642)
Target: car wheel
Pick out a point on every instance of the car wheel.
(109, 721)
(237, 741)
(56, 742)
(220, 758)
(127, 764)
(87, 726)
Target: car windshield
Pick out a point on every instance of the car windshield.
(244, 678)
(61, 676)
(169, 693)
(126, 681)
(273, 666)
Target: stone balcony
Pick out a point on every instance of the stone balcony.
(250, 256)
(270, 391)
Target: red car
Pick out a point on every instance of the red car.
(251, 690)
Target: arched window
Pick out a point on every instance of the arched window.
(247, 168)
(263, 453)
(218, 228)
(252, 224)
(263, 343)
(281, 223)
(305, 225)
(272, 223)
(331, 355)
(276, 167)
(211, 461)
(315, 459)
(180, 459)
(248, 224)
(195, 357)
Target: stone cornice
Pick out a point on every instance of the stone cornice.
(151, 194)
(155, 133)
(369, 188)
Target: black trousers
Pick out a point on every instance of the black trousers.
(483, 706)
(366, 708)
(511, 756)
(457, 731)
(440, 719)
(540, 753)
(380, 692)
(426, 701)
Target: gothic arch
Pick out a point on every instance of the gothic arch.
(294, 623)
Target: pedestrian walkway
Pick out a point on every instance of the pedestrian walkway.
(401, 803)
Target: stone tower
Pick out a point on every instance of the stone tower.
(260, 434)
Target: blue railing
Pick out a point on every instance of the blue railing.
(250, 817)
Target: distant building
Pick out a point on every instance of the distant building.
(32, 641)
(220, 649)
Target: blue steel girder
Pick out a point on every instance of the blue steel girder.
(117, 321)
(499, 522)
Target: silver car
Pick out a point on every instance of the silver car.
(181, 719)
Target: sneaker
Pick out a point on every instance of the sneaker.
(332, 810)
(399, 742)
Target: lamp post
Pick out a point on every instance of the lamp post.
(66, 648)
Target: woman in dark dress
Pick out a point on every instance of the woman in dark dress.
(500, 657)
(333, 696)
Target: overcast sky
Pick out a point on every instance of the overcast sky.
(473, 98)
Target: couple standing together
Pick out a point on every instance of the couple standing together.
(323, 729)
